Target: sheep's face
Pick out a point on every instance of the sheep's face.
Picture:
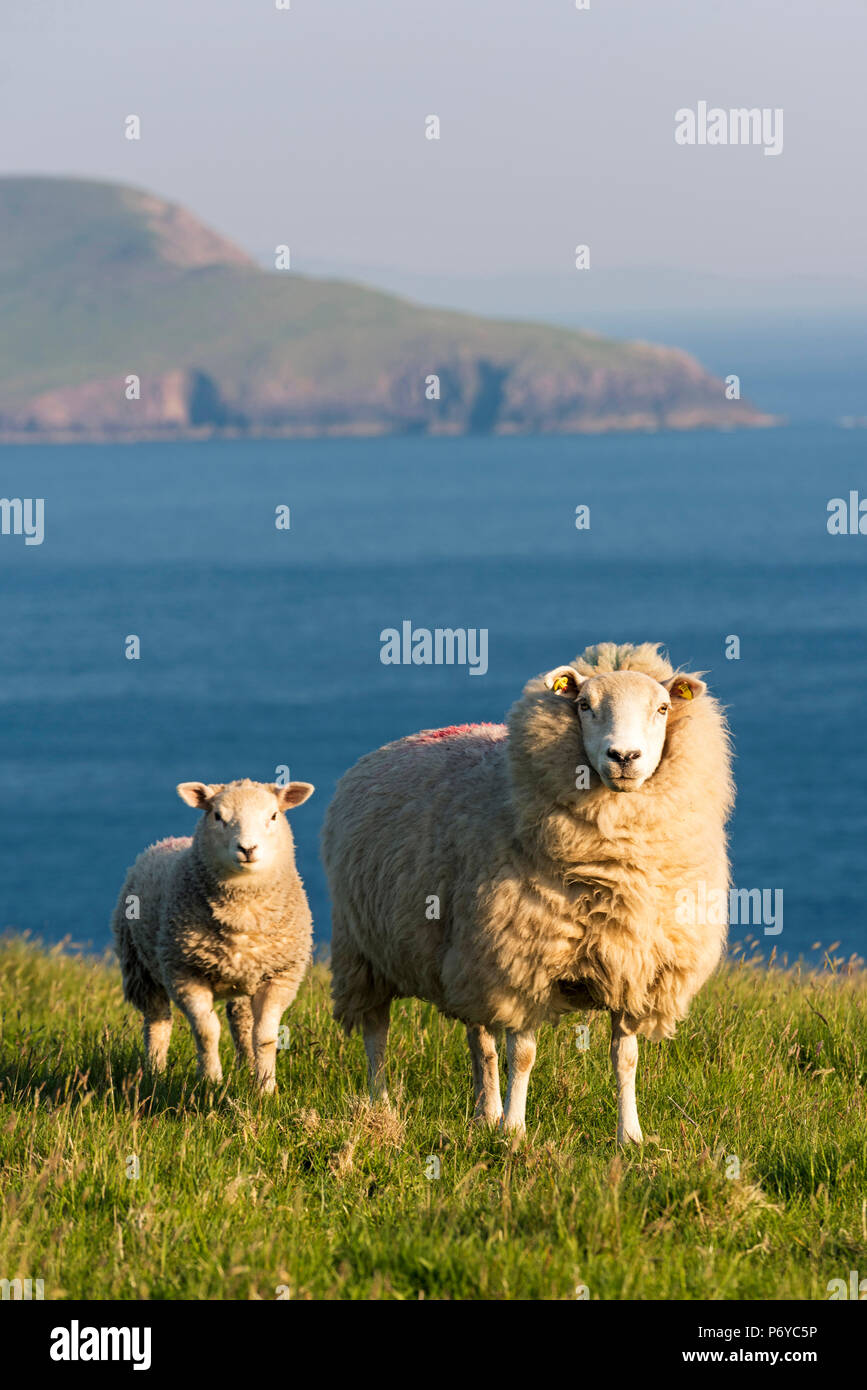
(624, 716)
(243, 831)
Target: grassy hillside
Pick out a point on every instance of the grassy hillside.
(317, 1192)
(98, 281)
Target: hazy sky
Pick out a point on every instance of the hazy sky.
(306, 126)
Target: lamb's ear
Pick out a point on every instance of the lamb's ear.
(565, 680)
(684, 687)
(293, 794)
(198, 794)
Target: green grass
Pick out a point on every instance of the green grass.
(316, 1191)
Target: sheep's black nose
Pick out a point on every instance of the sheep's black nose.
(627, 757)
(247, 850)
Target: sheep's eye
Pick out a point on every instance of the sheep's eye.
(663, 709)
(218, 818)
(274, 817)
(583, 704)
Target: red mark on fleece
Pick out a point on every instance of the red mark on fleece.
(174, 842)
(460, 730)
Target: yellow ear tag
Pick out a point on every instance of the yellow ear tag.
(684, 691)
(561, 683)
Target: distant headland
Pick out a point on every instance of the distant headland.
(125, 318)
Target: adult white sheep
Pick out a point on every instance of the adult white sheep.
(556, 847)
(223, 915)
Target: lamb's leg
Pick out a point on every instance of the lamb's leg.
(145, 992)
(624, 1060)
(374, 1026)
(486, 1077)
(520, 1056)
(269, 1003)
(240, 1015)
(196, 999)
(157, 1032)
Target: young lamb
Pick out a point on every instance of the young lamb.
(220, 916)
(511, 874)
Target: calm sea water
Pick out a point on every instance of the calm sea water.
(261, 647)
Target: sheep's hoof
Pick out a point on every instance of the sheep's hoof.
(492, 1121)
(267, 1085)
(630, 1136)
(516, 1129)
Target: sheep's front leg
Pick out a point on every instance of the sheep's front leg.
(520, 1056)
(624, 1060)
(374, 1026)
(157, 1033)
(486, 1076)
(240, 1016)
(196, 999)
(269, 1003)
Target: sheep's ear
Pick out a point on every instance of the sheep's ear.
(684, 687)
(293, 794)
(565, 680)
(198, 793)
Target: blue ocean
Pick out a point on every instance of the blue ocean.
(260, 647)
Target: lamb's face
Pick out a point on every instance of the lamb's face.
(623, 716)
(243, 831)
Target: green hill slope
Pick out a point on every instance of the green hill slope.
(99, 281)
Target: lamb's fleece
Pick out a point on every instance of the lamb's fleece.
(210, 926)
(551, 898)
